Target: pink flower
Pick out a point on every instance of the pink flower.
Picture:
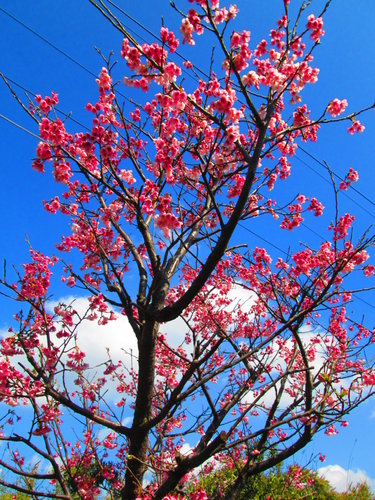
(36, 280)
(356, 127)
(166, 222)
(369, 270)
(368, 378)
(336, 107)
(315, 24)
(45, 105)
(104, 81)
(198, 495)
(331, 430)
(127, 176)
(316, 207)
(62, 171)
(351, 176)
(42, 431)
(261, 48)
(43, 151)
(38, 165)
(343, 226)
(251, 79)
(187, 30)
(169, 38)
(110, 441)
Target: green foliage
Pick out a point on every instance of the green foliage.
(361, 491)
(8, 494)
(93, 471)
(279, 484)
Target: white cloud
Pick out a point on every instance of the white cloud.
(267, 399)
(316, 341)
(186, 449)
(116, 337)
(115, 341)
(176, 330)
(340, 478)
(241, 297)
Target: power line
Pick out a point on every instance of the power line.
(344, 193)
(28, 91)
(15, 124)
(263, 239)
(87, 70)
(357, 297)
(240, 224)
(151, 33)
(140, 25)
(45, 40)
(75, 61)
(336, 175)
(60, 51)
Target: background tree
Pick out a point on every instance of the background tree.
(279, 483)
(266, 354)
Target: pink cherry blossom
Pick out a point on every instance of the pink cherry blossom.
(356, 127)
(315, 24)
(337, 107)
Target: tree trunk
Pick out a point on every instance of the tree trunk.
(137, 456)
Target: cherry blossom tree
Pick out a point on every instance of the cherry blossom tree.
(225, 356)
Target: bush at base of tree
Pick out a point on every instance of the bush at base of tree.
(295, 483)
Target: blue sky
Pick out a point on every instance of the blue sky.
(346, 71)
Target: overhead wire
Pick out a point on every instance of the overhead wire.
(87, 70)
(357, 297)
(21, 127)
(79, 64)
(147, 30)
(60, 51)
(45, 40)
(276, 247)
(30, 92)
(344, 193)
(337, 175)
